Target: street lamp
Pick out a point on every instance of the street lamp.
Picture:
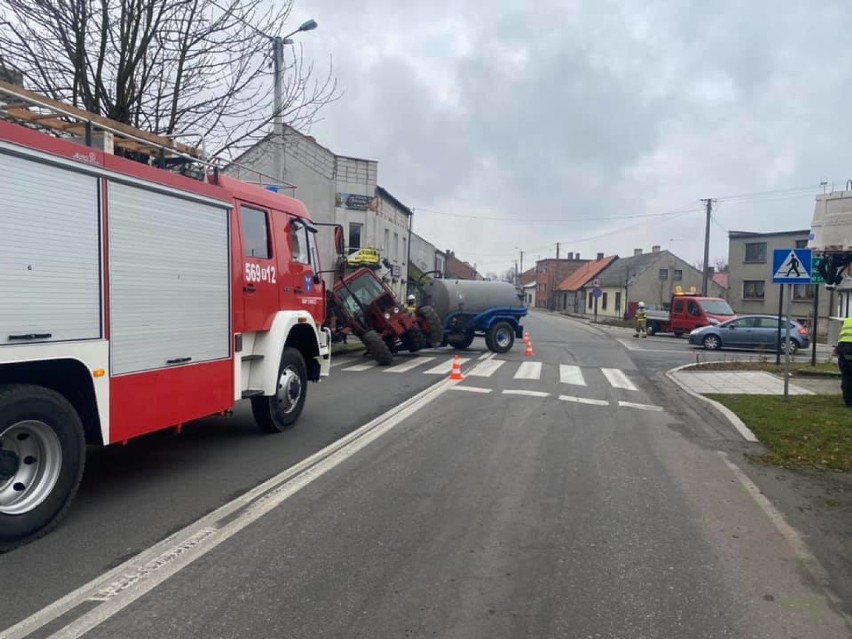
(278, 43)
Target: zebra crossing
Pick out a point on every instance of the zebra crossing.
(568, 374)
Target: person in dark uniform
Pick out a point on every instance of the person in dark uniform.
(843, 350)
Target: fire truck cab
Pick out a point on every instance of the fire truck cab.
(135, 299)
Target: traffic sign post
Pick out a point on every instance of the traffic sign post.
(790, 266)
(596, 293)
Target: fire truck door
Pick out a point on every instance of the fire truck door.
(260, 271)
(306, 292)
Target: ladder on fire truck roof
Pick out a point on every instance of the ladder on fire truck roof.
(36, 111)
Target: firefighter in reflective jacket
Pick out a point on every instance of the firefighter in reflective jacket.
(411, 306)
(843, 350)
(641, 319)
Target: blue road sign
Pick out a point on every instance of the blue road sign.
(791, 266)
(596, 292)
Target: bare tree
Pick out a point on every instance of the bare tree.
(195, 69)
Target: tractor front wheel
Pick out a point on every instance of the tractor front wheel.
(377, 348)
(414, 340)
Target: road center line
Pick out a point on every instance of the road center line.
(121, 586)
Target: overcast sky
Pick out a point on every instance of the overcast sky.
(582, 113)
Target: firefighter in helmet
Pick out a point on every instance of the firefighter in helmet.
(843, 350)
(641, 319)
(411, 305)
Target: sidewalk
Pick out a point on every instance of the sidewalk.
(746, 383)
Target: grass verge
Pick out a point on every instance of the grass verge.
(809, 431)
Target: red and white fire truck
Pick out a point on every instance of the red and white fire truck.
(134, 299)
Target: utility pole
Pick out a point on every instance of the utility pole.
(277, 116)
(709, 204)
(522, 262)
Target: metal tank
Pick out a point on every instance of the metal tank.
(471, 297)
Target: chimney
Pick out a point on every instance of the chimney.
(711, 270)
(637, 252)
(600, 256)
(655, 248)
(570, 256)
(576, 256)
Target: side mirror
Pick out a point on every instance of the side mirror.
(317, 279)
(338, 240)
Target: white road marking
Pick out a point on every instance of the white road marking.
(571, 375)
(487, 368)
(359, 367)
(618, 379)
(414, 363)
(529, 370)
(118, 588)
(445, 367)
(584, 400)
(640, 406)
(528, 393)
(471, 389)
(485, 355)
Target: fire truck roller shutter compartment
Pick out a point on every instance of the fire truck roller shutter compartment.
(169, 292)
(49, 253)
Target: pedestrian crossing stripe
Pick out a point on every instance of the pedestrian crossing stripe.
(571, 375)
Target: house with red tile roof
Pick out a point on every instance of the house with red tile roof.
(571, 293)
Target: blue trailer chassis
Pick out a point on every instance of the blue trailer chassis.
(460, 328)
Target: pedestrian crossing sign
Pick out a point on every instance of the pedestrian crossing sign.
(791, 266)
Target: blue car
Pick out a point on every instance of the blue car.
(756, 332)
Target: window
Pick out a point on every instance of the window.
(386, 245)
(355, 235)
(801, 244)
(678, 307)
(664, 274)
(603, 302)
(803, 292)
(617, 302)
(677, 275)
(693, 309)
(404, 252)
(255, 233)
(753, 289)
(755, 252)
(591, 300)
(396, 246)
(299, 246)
(767, 322)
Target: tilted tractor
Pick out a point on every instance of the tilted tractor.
(364, 306)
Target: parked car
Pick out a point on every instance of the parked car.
(750, 331)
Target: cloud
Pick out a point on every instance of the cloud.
(588, 109)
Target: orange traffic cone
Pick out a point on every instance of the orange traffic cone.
(456, 375)
(526, 337)
(529, 352)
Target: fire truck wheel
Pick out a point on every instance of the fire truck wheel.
(278, 412)
(42, 454)
(651, 329)
(377, 348)
(436, 329)
(500, 337)
(414, 340)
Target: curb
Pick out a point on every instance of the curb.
(736, 422)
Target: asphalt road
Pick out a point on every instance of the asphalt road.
(568, 494)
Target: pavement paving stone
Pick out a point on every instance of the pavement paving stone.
(738, 383)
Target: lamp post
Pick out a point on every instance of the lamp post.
(278, 43)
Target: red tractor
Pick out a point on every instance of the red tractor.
(364, 306)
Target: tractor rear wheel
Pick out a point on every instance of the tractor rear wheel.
(460, 341)
(377, 348)
(436, 329)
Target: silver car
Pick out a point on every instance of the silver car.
(754, 332)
